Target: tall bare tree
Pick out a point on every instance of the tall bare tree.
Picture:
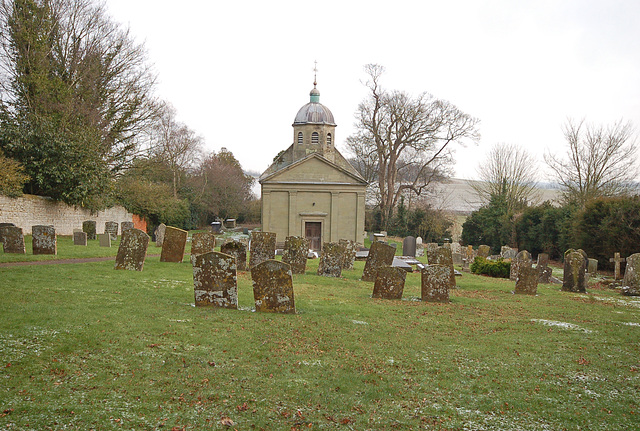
(408, 137)
(600, 161)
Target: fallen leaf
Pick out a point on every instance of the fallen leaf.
(226, 422)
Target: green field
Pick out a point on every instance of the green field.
(86, 347)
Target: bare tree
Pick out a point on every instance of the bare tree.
(600, 162)
(408, 137)
(508, 171)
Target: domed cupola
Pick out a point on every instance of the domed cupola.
(314, 112)
(313, 128)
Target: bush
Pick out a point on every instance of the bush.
(493, 268)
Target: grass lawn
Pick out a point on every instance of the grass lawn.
(86, 347)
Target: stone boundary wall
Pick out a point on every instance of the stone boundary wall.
(30, 210)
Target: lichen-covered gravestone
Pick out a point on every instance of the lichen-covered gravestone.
(296, 249)
(89, 227)
(575, 271)
(409, 246)
(389, 283)
(238, 250)
(201, 243)
(379, 255)
(436, 280)
(273, 287)
(175, 241)
(79, 238)
(520, 259)
(126, 225)
(544, 272)
(631, 282)
(484, 251)
(592, 266)
(105, 239)
(44, 240)
(111, 227)
(526, 278)
(12, 240)
(349, 253)
(160, 231)
(331, 259)
(263, 247)
(215, 281)
(132, 251)
(442, 256)
(429, 247)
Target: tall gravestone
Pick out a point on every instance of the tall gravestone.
(592, 266)
(201, 243)
(484, 251)
(12, 240)
(380, 255)
(79, 238)
(111, 227)
(125, 225)
(544, 271)
(263, 247)
(105, 239)
(160, 231)
(443, 256)
(349, 253)
(389, 283)
(89, 227)
(526, 277)
(617, 260)
(296, 249)
(435, 283)
(238, 250)
(631, 281)
(175, 241)
(44, 240)
(575, 271)
(273, 287)
(132, 251)
(215, 281)
(419, 247)
(409, 246)
(331, 259)
(520, 259)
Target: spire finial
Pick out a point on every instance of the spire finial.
(315, 73)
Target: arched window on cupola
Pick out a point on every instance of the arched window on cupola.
(315, 138)
(328, 139)
(300, 138)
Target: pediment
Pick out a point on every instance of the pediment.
(314, 169)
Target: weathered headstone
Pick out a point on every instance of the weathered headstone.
(132, 251)
(484, 251)
(44, 240)
(575, 271)
(544, 271)
(349, 253)
(263, 247)
(215, 281)
(89, 227)
(126, 225)
(430, 247)
(230, 223)
(216, 227)
(389, 283)
(617, 260)
(5, 224)
(526, 278)
(175, 241)
(238, 250)
(201, 243)
(457, 258)
(592, 266)
(631, 282)
(296, 249)
(79, 238)
(456, 247)
(273, 287)
(409, 246)
(419, 249)
(105, 239)
(436, 281)
(442, 256)
(520, 259)
(379, 255)
(160, 231)
(331, 259)
(419, 240)
(111, 227)
(12, 240)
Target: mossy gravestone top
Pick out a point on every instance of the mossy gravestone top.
(296, 249)
(443, 256)
(273, 287)
(263, 247)
(201, 243)
(44, 240)
(575, 271)
(484, 251)
(379, 255)
(331, 259)
(631, 282)
(436, 281)
(215, 281)
(238, 250)
(175, 241)
(520, 259)
(389, 283)
(125, 225)
(132, 251)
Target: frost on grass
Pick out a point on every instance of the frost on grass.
(631, 323)
(359, 322)
(563, 325)
(15, 348)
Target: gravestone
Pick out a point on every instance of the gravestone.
(419, 249)
(105, 239)
(484, 251)
(201, 243)
(215, 281)
(12, 240)
(44, 240)
(617, 260)
(263, 247)
(575, 271)
(79, 238)
(245, 231)
(631, 282)
(111, 227)
(216, 227)
(160, 232)
(389, 283)
(230, 223)
(349, 253)
(126, 225)
(89, 227)
(419, 240)
(436, 281)
(331, 259)
(526, 278)
(430, 247)
(175, 241)
(4, 224)
(379, 255)
(456, 247)
(296, 249)
(520, 259)
(409, 246)
(544, 271)
(457, 258)
(238, 250)
(132, 251)
(592, 266)
(507, 252)
(273, 287)
(442, 256)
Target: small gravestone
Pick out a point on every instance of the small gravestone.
(456, 247)
(507, 252)
(44, 240)
(230, 223)
(447, 245)
(429, 247)
(331, 259)
(592, 266)
(349, 253)
(215, 281)
(442, 256)
(527, 278)
(575, 271)
(389, 283)
(379, 255)
(263, 247)
(160, 231)
(436, 281)
(111, 227)
(457, 258)
(617, 260)
(132, 251)
(79, 238)
(89, 227)
(520, 259)
(238, 250)
(216, 227)
(631, 282)
(175, 241)
(484, 251)
(125, 225)
(105, 239)
(12, 240)
(544, 271)
(201, 243)
(296, 249)
(245, 231)
(273, 287)
(409, 246)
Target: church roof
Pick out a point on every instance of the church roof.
(314, 112)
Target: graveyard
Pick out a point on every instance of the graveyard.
(85, 346)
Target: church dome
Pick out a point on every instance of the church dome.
(314, 112)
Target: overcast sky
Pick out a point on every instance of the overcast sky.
(238, 71)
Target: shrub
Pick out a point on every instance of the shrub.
(493, 268)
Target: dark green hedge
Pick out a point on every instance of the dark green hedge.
(493, 268)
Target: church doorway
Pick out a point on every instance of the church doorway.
(313, 231)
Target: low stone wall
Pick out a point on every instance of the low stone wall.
(30, 210)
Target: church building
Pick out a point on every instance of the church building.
(311, 190)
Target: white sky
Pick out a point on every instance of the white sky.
(238, 71)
